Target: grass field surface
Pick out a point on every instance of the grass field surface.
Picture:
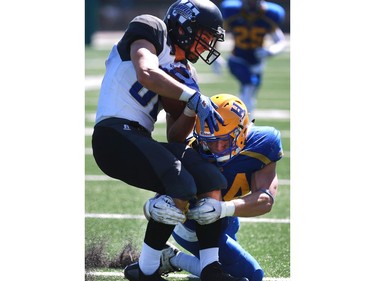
(107, 201)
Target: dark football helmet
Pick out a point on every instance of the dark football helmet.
(186, 20)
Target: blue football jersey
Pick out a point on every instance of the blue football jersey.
(262, 146)
(249, 27)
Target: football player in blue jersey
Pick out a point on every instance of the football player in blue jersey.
(247, 157)
(129, 102)
(251, 22)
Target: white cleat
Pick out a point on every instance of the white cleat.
(167, 253)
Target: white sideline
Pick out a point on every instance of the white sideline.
(176, 275)
(88, 151)
(142, 217)
(260, 114)
(107, 178)
(90, 130)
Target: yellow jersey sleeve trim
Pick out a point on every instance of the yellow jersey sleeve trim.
(256, 155)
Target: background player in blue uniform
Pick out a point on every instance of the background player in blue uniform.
(249, 22)
(247, 156)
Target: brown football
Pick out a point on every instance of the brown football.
(172, 106)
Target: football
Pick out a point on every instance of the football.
(185, 75)
(172, 106)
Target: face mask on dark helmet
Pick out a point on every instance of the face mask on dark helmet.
(251, 4)
(187, 20)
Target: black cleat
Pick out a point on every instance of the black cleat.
(154, 277)
(214, 272)
(169, 251)
(133, 273)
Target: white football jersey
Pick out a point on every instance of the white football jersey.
(121, 95)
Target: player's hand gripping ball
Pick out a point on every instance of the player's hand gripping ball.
(181, 73)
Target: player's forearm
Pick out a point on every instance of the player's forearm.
(252, 205)
(178, 130)
(276, 48)
(146, 64)
(279, 43)
(159, 82)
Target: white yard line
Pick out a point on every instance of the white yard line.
(142, 217)
(261, 114)
(90, 130)
(88, 151)
(106, 39)
(115, 216)
(93, 82)
(175, 275)
(107, 178)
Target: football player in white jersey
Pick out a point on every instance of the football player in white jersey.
(129, 102)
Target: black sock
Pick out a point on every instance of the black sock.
(157, 234)
(208, 235)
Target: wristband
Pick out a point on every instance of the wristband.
(189, 113)
(186, 94)
(227, 209)
(266, 191)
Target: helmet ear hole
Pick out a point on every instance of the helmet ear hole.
(244, 133)
(180, 31)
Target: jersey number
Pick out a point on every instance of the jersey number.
(240, 183)
(249, 38)
(143, 96)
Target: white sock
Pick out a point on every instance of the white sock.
(208, 256)
(187, 262)
(248, 95)
(149, 260)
